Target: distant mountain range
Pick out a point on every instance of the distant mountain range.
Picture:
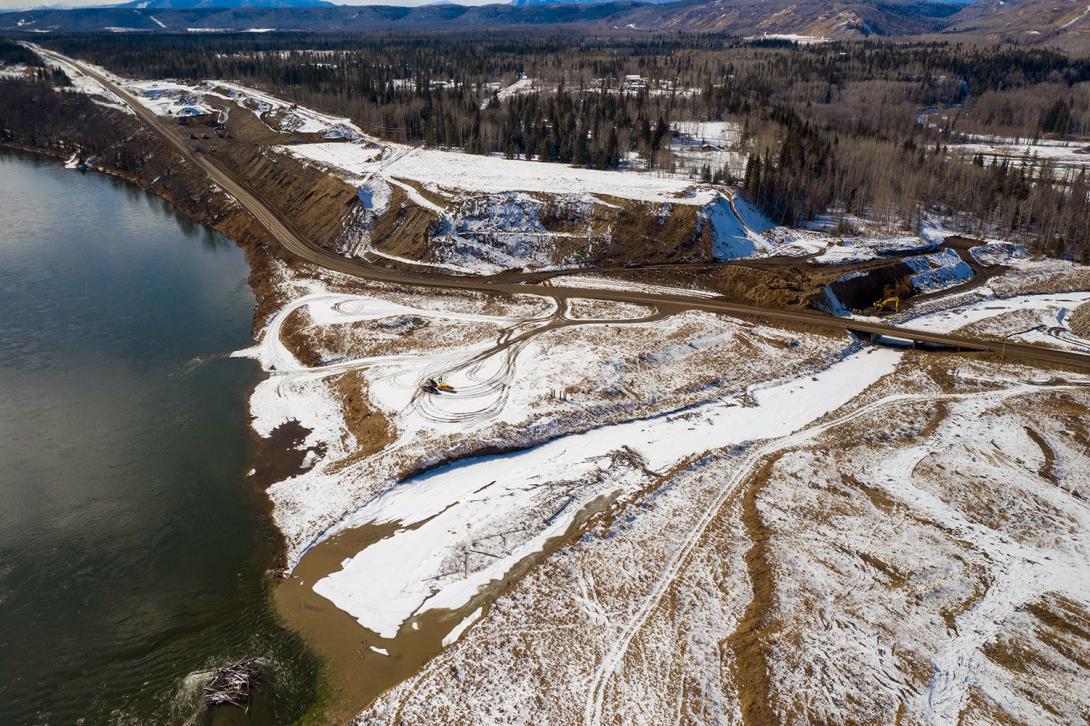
(539, 3)
(1063, 23)
(326, 18)
(200, 4)
(816, 18)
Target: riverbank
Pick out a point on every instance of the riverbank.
(76, 129)
(70, 127)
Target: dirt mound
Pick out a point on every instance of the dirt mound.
(618, 232)
(402, 230)
(1080, 321)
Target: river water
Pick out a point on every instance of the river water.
(133, 555)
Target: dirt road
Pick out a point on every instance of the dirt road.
(296, 243)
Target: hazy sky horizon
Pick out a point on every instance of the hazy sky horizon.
(30, 4)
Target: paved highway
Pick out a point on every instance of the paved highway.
(296, 243)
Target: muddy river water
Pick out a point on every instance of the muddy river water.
(133, 554)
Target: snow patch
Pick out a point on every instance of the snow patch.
(945, 269)
(454, 635)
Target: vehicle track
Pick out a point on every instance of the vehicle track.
(592, 711)
(296, 243)
(493, 389)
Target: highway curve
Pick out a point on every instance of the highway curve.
(296, 243)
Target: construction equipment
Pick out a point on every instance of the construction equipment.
(890, 303)
(434, 387)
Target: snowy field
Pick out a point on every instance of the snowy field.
(494, 175)
(791, 38)
(382, 597)
(898, 603)
(716, 133)
(1066, 156)
(501, 387)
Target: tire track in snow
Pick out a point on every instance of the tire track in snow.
(592, 713)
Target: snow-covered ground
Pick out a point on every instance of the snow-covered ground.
(14, 70)
(522, 85)
(893, 546)
(81, 82)
(667, 568)
(453, 170)
(841, 250)
(172, 98)
(716, 133)
(510, 383)
(439, 514)
(358, 160)
(786, 521)
(739, 228)
(712, 144)
(1067, 156)
(605, 283)
(792, 38)
(290, 116)
(167, 98)
(1036, 319)
(938, 271)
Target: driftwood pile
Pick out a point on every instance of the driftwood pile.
(231, 684)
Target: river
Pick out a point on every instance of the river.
(133, 554)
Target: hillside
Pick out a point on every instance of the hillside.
(835, 19)
(191, 4)
(328, 19)
(1065, 23)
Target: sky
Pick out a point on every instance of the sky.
(24, 4)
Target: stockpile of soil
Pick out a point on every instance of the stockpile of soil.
(1080, 321)
(627, 232)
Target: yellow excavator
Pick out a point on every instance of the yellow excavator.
(890, 303)
(433, 386)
